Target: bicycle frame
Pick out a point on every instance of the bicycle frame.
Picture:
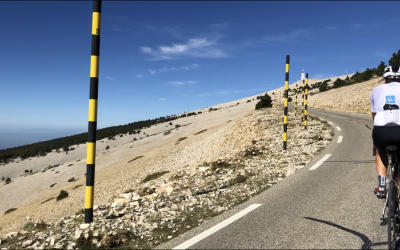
(391, 174)
(391, 207)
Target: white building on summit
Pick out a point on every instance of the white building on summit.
(302, 75)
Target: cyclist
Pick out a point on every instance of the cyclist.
(385, 102)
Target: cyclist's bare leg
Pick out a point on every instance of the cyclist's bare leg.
(381, 161)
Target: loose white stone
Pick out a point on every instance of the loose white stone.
(169, 190)
(12, 234)
(202, 169)
(84, 226)
(58, 246)
(78, 233)
(135, 197)
(127, 196)
(26, 243)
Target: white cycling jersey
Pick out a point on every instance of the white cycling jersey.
(385, 102)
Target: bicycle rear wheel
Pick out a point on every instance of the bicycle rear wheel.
(392, 227)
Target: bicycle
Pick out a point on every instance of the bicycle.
(391, 206)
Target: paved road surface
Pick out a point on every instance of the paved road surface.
(331, 207)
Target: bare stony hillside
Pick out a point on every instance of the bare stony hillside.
(353, 98)
(171, 188)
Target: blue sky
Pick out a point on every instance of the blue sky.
(163, 58)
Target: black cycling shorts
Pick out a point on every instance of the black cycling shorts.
(384, 136)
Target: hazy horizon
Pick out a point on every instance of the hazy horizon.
(13, 135)
(10, 138)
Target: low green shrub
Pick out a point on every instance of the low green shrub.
(201, 132)
(154, 176)
(136, 158)
(52, 198)
(30, 226)
(181, 139)
(72, 179)
(63, 194)
(10, 210)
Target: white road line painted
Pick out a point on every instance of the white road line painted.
(319, 163)
(217, 227)
(330, 122)
(339, 129)
(340, 139)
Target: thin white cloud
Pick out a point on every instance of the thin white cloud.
(302, 58)
(229, 92)
(146, 49)
(329, 27)
(204, 95)
(116, 27)
(322, 76)
(195, 47)
(381, 54)
(162, 99)
(220, 25)
(111, 78)
(139, 76)
(356, 25)
(343, 57)
(162, 70)
(287, 37)
(224, 92)
(175, 49)
(182, 83)
(346, 57)
(172, 31)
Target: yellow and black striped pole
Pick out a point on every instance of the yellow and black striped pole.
(295, 103)
(285, 110)
(92, 127)
(305, 103)
(302, 102)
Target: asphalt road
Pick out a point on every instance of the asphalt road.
(331, 207)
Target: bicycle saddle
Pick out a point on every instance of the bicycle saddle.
(391, 149)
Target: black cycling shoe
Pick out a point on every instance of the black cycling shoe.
(380, 192)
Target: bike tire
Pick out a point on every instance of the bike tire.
(392, 228)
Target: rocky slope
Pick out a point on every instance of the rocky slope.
(353, 98)
(210, 172)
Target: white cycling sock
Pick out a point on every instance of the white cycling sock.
(382, 180)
